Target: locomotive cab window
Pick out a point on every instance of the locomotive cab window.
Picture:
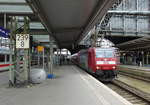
(109, 54)
(104, 53)
(100, 54)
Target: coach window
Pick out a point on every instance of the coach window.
(2, 58)
(7, 58)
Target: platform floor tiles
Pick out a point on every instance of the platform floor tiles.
(67, 88)
(64, 89)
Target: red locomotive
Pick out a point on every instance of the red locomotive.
(100, 61)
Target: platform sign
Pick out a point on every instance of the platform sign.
(40, 48)
(22, 41)
(4, 32)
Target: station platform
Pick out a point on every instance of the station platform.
(143, 72)
(144, 68)
(70, 86)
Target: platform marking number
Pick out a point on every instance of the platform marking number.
(22, 40)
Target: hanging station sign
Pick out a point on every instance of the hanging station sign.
(22, 41)
(4, 32)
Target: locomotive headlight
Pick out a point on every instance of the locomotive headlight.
(100, 62)
(97, 67)
(111, 62)
(114, 67)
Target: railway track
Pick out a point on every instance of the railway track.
(135, 76)
(133, 95)
(128, 95)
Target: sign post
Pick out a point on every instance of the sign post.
(22, 44)
(41, 49)
(22, 55)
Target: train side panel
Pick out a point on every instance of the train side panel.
(91, 60)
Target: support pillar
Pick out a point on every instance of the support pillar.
(124, 58)
(134, 58)
(19, 75)
(51, 57)
(58, 57)
(147, 56)
(11, 47)
(5, 20)
(143, 60)
(43, 58)
(38, 58)
(26, 65)
(5, 26)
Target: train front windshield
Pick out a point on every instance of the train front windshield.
(104, 53)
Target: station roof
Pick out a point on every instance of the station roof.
(137, 44)
(68, 21)
(15, 7)
(20, 8)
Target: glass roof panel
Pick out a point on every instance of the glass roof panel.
(41, 38)
(22, 1)
(15, 8)
(34, 25)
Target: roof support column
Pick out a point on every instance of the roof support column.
(5, 20)
(19, 75)
(50, 56)
(134, 58)
(143, 60)
(58, 57)
(147, 56)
